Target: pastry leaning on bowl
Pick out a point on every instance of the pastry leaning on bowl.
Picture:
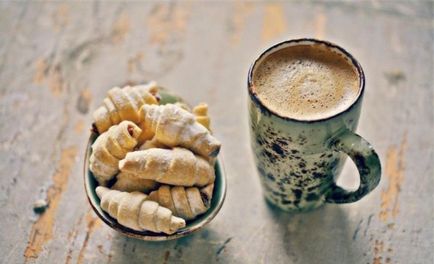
(154, 163)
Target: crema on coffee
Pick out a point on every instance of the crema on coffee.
(306, 82)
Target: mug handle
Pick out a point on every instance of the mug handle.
(366, 160)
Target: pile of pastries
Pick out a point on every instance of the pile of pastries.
(154, 163)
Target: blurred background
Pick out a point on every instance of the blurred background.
(58, 59)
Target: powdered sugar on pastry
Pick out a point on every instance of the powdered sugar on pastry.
(176, 166)
(124, 104)
(110, 147)
(174, 126)
(134, 211)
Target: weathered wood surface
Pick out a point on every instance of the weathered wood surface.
(58, 59)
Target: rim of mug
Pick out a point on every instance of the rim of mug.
(277, 47)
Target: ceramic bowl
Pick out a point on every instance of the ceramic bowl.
(191, 226)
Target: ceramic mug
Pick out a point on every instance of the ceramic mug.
(299, 160)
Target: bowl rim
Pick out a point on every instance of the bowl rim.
(148, 235)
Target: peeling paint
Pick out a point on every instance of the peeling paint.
(83, 101)
(41, 69)
(378, 250)
(100, 249)
(61, 17)
(395, 169)
(166, 20)
(241, 11)
(394, 172)
(135, 61)
(49, 76)
(72, 235)
(320, 25)
(55, 81)
(79, 126)
(166, 24)
(93, 223)
(121, 28)
(274, 24)
(42, 229)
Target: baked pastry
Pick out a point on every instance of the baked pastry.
(200, 112)
(131, 183)
(110, 147)
(134, 211)
(176, 166)
(124, 104)
(174, 126)
(186, 203)
(152, 143)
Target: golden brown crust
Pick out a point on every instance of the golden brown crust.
(201, 115)
(131, 183)
(180, 200)
(195, 201)
(152, 143)
(174, 126)
(134, 211)
(124, 104)
(171, 166)
(186, 203)
(109, 148)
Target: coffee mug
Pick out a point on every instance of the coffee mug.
(299, 160)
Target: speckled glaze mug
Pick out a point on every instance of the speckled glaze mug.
(299, 160)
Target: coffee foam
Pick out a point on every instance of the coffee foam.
(306, 82)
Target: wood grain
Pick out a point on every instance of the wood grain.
(57, 60)
(42, 229)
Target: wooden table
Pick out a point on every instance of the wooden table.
(57, 61)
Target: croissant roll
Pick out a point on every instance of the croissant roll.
(134, 211)
(200, 112)
(131, 183)
(186, 203)
(110, 147)
(124, 104)
(176, 166)
(152, 143)
(174, 126)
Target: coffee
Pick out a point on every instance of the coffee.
(306, 82)
(298, 162)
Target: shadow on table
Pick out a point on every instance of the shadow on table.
(203, 246)
(319, 236)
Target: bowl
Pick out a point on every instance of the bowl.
(196, 224)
